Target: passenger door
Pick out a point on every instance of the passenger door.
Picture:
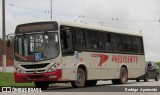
(68, 56)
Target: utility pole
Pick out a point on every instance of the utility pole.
(51, 9)
(102, 22)
(81, 18)
(4, 36)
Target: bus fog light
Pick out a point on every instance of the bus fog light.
(53, 76)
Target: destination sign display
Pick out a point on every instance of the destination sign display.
(35, 27)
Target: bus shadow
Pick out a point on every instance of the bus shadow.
(85, 89)
(70, 88)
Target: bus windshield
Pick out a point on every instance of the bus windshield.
(36, 47)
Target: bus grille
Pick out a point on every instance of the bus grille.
(35, 66)
(38, 71)
(36, 77)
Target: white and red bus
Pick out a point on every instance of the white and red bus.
(61, 51)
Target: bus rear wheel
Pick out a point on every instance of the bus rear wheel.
(42, 85)
(80, 82)
(123, 77)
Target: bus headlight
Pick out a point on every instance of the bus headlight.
(19, 70)
(54, 67)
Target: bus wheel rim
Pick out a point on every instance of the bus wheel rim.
(80, 79)
(123, 75)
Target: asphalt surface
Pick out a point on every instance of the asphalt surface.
(97, 90)
(107, 86)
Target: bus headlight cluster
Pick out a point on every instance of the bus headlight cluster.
(53, 67)
(18, 70)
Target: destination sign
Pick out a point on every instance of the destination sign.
(35, 27)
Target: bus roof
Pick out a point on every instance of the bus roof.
(96, 27)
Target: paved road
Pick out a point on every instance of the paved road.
(68, 90)
(106, 86)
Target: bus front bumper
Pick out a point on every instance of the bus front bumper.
(48, 76)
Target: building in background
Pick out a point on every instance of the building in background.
(9, 54)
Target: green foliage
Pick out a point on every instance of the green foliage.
(158, 64)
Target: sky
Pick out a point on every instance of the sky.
(131, 15)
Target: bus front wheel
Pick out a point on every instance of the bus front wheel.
(42, 85)
(80, 82)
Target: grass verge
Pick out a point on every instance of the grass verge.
(158, 64)
(7, 79)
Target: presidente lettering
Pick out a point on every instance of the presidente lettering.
(124, 59)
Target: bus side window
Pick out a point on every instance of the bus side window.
(127, 43)
(92, 40)
(137, 45)
(66, 42)
(80, 43)
(116, 42)
(69, 40)
(104, 42)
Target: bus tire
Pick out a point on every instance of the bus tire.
(42, 85)
(123, 75)
(90, 83)
(80, 82)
